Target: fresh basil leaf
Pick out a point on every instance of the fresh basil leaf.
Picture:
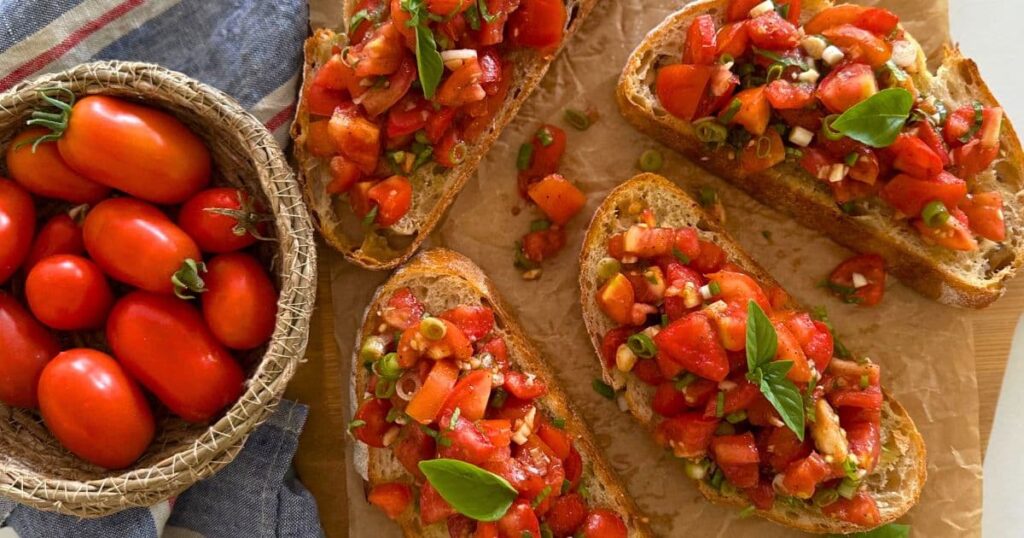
(892, 530)
(877, 120)
(428, 60)
(472, 491)
(783, 395)
(762, 342)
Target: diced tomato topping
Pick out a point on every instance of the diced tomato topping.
(433, 508)
(567, 515)
(868, 398)
(739, 10)
(700, 45)
(412, 446)
(541, 245)
(393, 197)
(470, 395)
(611, 342)
(668, 401)
(860, 510)
(427, 401)
(762, 495)
(736, 398)
(344, 174)
(408, 116)
(462, 86)
(373, 413)
(735, 449)
(733, 39)
(866, 168)
(319, 141)
(739, 288)
(438, 124)
(464, 441)
(762, 413)
(973, 158)
(486, 529)
(545, 158)
(573, 468)
(711, 258)
(754, 112)
(557, 198)
(985, 215)
(538, 24)
(789, 349)
(687, 434)
(803, 476)
(763, 153)
(680, 88)
(878, 20)
(931, 137)
(914, 157)
(814, 337)
(770, 31)
(556, 439)
(474, 321)
(322, 101)
(450, 151)
(954, 234)
(523, 386)
(690, 344)
(392, 498)
(847, 86)
(447, 7)
(786, 95)
(492, 31)
(603, 523)
(860, 45)
(616, 299)
(865, 439)
(781, 447)
(403, 309)
(909, 195)
(335, 74)
(649, 372)
(356, 137)
(869, 266)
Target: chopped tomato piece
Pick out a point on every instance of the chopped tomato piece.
(754, 113)
(762, 495)
(465, 441)
(359, 198)
(739, 289)
(909, 195)
(878, 20)
(770, 31)
(973, 158)
(931, 137)
(954, 234)
(412, 446)
(567, 515)
(319, 141)
(785, 95)
(611, 342)
(403, 310)
(690, 344)
(538, 24)
(737, 455)
(381, 53)
(733, 39)
(687, 434)
(462, 86)
(865, 439)
(860, 510)
(868, 398)
(378, 100)
(356, 137)
(738, 397)
(603, 523)
(860, 45)
(870, 267)
(321, 101)
(616, 299)
(373, 413)
(803, 476)
(344, 174)
(392, 498)
(814, 337)
(649, 372)
(866, 168)
(474, 321)
(541, 245)
(470, 395)
(847, 86)
(763, 152)
(668, 401)
(433, 507)
(408, 116)
(427, 401)
(985, 215)
(913, 156)
(335, 74)
(739, 10)
(523, 386)
(557, 198)
(448, 7)
(789, 350)
(450, 151)
(681, 87)
(781, 447)
(710, 259)
(700, 45)
(438, 124)
(548, 147)
(393, 197)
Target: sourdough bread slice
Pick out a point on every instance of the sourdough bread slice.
(895, 484)
(434, 187)
(966, 279)
(442, 279)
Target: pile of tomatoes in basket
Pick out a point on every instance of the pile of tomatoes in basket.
(124, 277)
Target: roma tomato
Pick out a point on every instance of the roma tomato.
(17, 226)
(137, 244)
(133, 148)
(43, 172)
(240, 304)
(95, 409)
(538, 24)
(25, 348)
(223, 219)
(163, 342)
(68, 293)
(59, 235)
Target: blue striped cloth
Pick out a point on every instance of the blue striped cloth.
(251, 49)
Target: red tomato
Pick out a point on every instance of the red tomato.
(735, 449)
(954, 234)
(916, 158)
(546, 158)
(959, 124)
(667, 400)
(611, 342)
(814, 337)
(523, 386)
(408, 116)
(336, 74)
(781, 447)
(412, 446)
(762, 495)
(380, 53)
(860, 45)
(649, 372)
(687, 434)
(690, 344)
(770, 31)
(754, 113)
(656, 242)
(803, 476)
(909, 195)
(373, 414)
(68, 293)
(739, 288)
(680, 88)
(453, 344)
(700, 45)
(322, 101)
(392, 498)
(344, 175)
(737, 398)
(17, 226)
(470, 395)
(120, 231)
(474, 321)
(393, 197)
(163, 342)
(740, 9)
(136, 149)
(985, 215)
(556, 439)
(318, 139)
(710, 259)
(43, 172)
(567, 515)
(462, 86)
(433, 507)
(25, 348)
(616, 299)
(973, 158)
(872, 268)
(847, 86)
(464, 441)
(59, 235)
(403, 310)
(867, 167)
(538, 24)
(733, 39)
(861, 510)
(870, 398)
(519, 521)
(94, 409)
(429, 399)
(356, 137)
(763, 152)
(604, 523)
(878, 20)
(789, 350)
(377, 100)
(240, 304)
(929, 136)
(785, 95)
(222, 219)
(865, 441)
(557, 198)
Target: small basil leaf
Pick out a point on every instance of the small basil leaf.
(472, 491)
(892, 530)
(783, 395)
(428, 60)
(877, 120)
(762, 342)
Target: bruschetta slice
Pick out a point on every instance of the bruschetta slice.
(769, 412)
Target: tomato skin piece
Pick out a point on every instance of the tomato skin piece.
(403, 309)
(701, 45)
(909, 195)
(392, 498)
(690, 343)
(955, 234)
(785, 95)
(847, 86)
(428, 401)
(604, 523)
(59, 235)
(163, 342)
(865, 440)
(519, 521)
(985, 214)
(373, 412)
(732, 39)
(914, 157)
(92, 406)
(539, 24)
(861, 510)
(393, 197)
(120, 231)
(25, 348)
(860, 45)
(755, 111)
(616, 299)
(136, 149)
(772, 32)
(667, 400)
(17, 227)
(567, 515)
(44, 173)
(711, 258)
(469, 395)
(68, 293)
(433, 507)
(878, 20)
(781, 447)
(240, 304)
(557, 198)
(681, 87)
(803, 476)
(356, 137)
(754, 159)
(872, 268)
(216, 232)
(739, 9)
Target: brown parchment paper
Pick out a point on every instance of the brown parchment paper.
(926, 350)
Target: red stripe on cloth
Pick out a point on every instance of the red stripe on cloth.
(72, 40)
(280, 118)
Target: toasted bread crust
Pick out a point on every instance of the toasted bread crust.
(675, 208)
(460, 279)
(932, 271)
(530, 69)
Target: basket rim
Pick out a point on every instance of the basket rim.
(296, 267)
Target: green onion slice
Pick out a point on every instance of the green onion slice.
(710, 131)
(525, 157)
(935, 214)
(577, 119)
(651, 160)
(828, 131)
(642, 346)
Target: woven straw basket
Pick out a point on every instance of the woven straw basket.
(34, 469)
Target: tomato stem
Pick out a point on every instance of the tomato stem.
(56, 122)
(187, 279)
(247, 218)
